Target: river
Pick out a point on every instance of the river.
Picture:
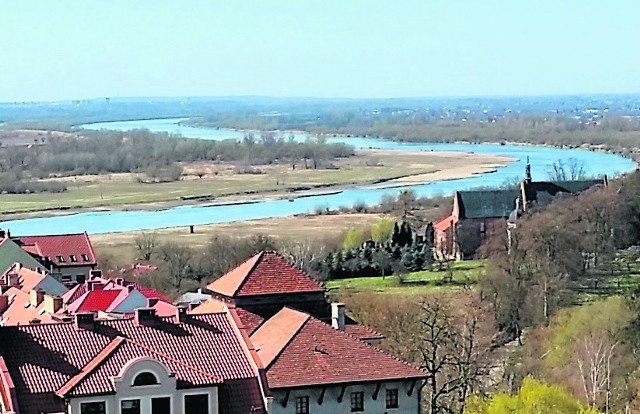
(541, 158)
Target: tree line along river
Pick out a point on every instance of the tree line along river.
(541, 158)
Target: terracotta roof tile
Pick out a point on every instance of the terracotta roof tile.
(313, 353)
(362, 332)
(43, 358)
(60, 248)
(264, 274)
(249, 320)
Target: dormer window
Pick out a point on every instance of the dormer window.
(85, 258)
(73, 258)
(60, 259)
(145, 378)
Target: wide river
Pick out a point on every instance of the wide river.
(541, 158)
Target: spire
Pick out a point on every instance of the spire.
(527, 172)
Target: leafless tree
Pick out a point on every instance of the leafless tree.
(146, 243)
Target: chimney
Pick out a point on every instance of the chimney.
(151, 302)
(181, 313)
(84, 321)
(52, 304)
(119, 281)
(36, 297)
(145, 316)
(95, 273)
(337, 316)
(4, 303)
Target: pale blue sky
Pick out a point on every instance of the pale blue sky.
(72, 49)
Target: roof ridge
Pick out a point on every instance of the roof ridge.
(93, 364)
(174, 360)
(260, 256)
(293, 335)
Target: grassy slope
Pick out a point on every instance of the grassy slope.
(416, 283)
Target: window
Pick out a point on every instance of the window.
(73, 258)
(65, 278)
(60, 259)
(80, 279)
(85, 258)
(196, 404)
(392, 398)
(130, 407)
(145, 378)
(357, 402)
(161, 405)
(302, 405)
(96, 407)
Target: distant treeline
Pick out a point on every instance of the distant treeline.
(140, 151)
(617, 133)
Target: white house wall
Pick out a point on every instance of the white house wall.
(330, 405)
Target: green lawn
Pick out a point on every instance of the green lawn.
(461, 274)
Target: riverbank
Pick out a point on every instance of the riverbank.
(216, 184)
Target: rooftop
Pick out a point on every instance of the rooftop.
(63, 250)
(299, 350)
(266, 273)
(47, 360)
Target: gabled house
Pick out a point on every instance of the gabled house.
(68, 257)
(266, 283)
(196, 364)
(313, 367)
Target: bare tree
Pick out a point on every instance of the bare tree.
(177, 259)
(569, 170)
(146, 243)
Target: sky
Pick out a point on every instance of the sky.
(77, 49)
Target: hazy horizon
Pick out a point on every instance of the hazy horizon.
(76, 50)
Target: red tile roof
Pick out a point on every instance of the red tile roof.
(60, 248)
(96, 300)
(299, 350)
(95, 377)
(42, 359)
(266, 273)
(248, 319)
(362, 332)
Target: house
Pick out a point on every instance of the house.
(68, 257)
(476, 214)
(115, 298)
(314, 367)
(197, 364)
(11, 253)
(267, 282)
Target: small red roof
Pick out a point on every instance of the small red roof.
(97, 300)
(62, 249)
(444, 223)
(266, 273)
(299, 350)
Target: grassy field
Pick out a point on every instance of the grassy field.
(416, 283)
(226, 180)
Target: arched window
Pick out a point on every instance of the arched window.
(145, 378)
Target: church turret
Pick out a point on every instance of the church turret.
(527, 172)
